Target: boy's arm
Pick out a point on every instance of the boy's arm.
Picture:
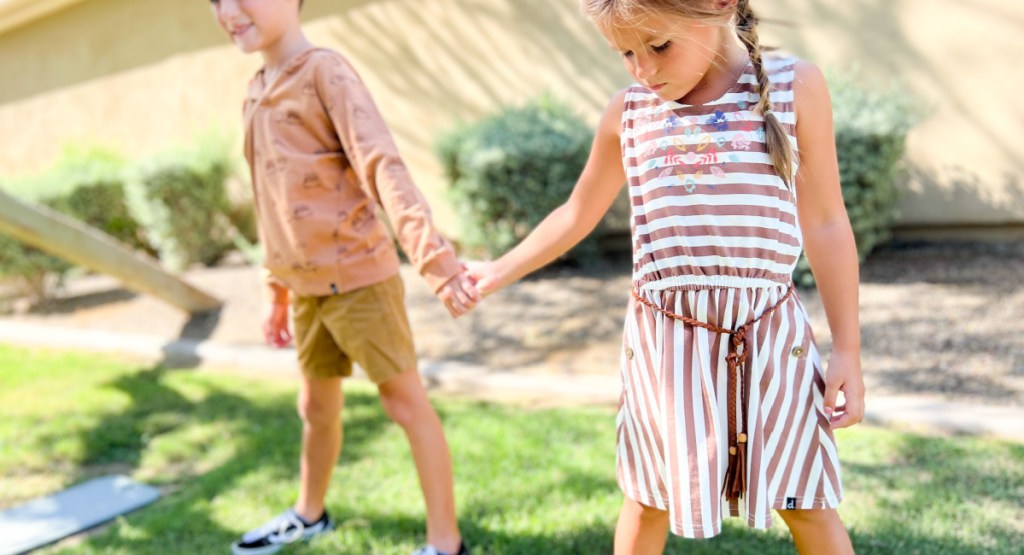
(374, 157)
(275, 293)
(829, 242)
(276, 331)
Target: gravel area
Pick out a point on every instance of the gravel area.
(946, 320)
(937, 320)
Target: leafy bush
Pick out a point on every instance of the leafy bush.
(871, 126)
(511, 169)
(86, 183)
(25, 269)
(181, 200)
(174, 205)
(94, 193)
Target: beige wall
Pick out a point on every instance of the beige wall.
(962, 60)
(142, 74)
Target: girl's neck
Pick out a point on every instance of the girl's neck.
(277, 56)
(731, 59)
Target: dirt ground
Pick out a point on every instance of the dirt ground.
(938, 320)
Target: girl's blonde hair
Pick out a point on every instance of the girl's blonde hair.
(612, 12)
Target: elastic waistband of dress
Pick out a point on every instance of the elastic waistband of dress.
(699, 283)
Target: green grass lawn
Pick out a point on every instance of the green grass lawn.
(223, 449)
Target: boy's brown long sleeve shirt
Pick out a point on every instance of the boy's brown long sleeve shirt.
(322, 161)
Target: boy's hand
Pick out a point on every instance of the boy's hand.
(275, 326)
(459, 295)
(844, 375)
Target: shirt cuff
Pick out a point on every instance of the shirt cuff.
(271, 282)
(440, 269)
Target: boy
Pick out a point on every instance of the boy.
(322, 159)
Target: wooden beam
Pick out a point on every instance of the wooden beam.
(85, 246)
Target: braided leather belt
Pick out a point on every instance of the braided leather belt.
(736, 473)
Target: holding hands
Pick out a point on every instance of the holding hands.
(460, 294)
(464, 291)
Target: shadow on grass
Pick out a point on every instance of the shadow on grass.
(590, 539)
(918, 490)
(942, 495)
(264, 435)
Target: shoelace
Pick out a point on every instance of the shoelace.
(277, 529)
(282, 531)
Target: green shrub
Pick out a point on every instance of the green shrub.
(871, 126)
(174, 205)
(25, 269)
(86, 183)
(93, 181)
(511, 169)
(181, 200)
(242, 217)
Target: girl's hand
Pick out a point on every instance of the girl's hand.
(275, 326)
(844, 375)
(485, 275)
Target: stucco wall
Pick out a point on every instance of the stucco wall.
(142, 74)
(961, 60)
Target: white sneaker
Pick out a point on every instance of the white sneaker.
(281, 530)
(431, 550)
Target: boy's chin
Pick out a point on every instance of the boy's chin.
(247, 47)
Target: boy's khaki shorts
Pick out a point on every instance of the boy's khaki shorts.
(368, 326)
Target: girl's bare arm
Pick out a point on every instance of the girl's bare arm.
(595, 191)
(829, 242)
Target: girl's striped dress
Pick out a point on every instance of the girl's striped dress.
(716, 239)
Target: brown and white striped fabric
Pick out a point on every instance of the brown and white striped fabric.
(716, 238)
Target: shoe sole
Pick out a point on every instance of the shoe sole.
(268, 550)
(236, 550)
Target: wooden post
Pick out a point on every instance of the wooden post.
(76, 242)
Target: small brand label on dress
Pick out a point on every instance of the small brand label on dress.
(791, 503)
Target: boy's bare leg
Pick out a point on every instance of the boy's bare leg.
(405, 400)
(641, 530)
(320, 402)
(818, 531)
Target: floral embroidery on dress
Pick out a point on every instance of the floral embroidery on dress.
(741, 141)
(719, 121)
(672, 123)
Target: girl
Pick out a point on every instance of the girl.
(725, 407)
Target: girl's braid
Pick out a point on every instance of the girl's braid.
(776, 140)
